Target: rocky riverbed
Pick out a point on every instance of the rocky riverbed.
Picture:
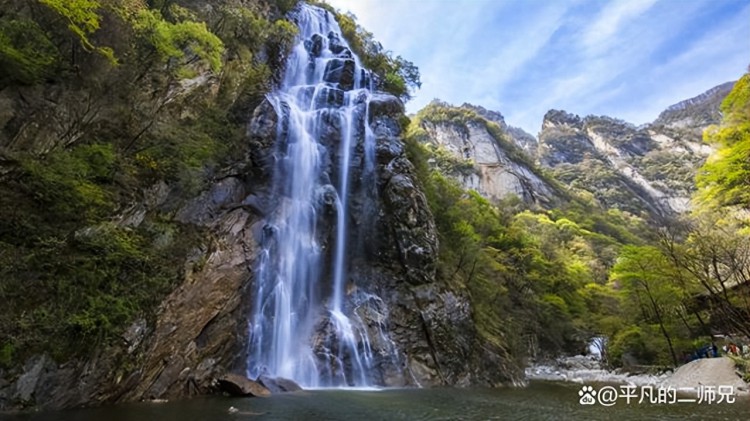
(588, 369)
(688, 378)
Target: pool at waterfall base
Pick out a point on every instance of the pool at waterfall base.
(538, 401)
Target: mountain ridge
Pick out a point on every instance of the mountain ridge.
(645, 169)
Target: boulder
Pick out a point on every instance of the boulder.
(337, 47)
(27, 383)
(262, 124)
(706, 372)
(239, 385)
(279, 384)
(389, 105)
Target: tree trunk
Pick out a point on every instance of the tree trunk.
(659, 319)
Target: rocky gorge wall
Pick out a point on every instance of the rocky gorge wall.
(431, 322)
(642, 170)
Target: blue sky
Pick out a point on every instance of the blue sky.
(628, 59)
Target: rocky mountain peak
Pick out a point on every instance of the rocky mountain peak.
(697, 112)
(561, 118)
(490, 115)
(474, 146)
(521, 138)
(638, 169)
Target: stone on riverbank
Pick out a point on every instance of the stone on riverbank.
(707, 372)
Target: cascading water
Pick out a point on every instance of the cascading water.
(301, 327)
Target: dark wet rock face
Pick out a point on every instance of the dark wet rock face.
(385, 105)
(414, 233)
(315, 45)
(262, 130)
(332, 98)
(337, 47)
(340, 72)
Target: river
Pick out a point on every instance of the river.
(539, 401)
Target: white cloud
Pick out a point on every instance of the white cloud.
(685, 75)
(600, 34)
(440, 37)
(522, 57)
(619, 78)
(514, 54)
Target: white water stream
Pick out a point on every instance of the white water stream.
(301, 326)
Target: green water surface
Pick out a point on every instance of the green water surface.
(539, 401)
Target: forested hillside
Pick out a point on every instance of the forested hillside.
(590, 264)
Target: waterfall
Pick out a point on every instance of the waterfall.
(302, 327)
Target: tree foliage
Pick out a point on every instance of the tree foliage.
(645, 276)
(83, 19)
(724, 180)
(561, 276)
(82, 16)
(537, 279)
(27, 55)
(173, 40)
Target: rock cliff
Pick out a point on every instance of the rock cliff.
(142, 294)
(431, 321)
(695, 113)
(476, 147)
(522, 139)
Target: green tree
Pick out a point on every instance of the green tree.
(724, 180)
(396, 75)
(83, 19)
(712, 254)
(173, 40)
(644, 275)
